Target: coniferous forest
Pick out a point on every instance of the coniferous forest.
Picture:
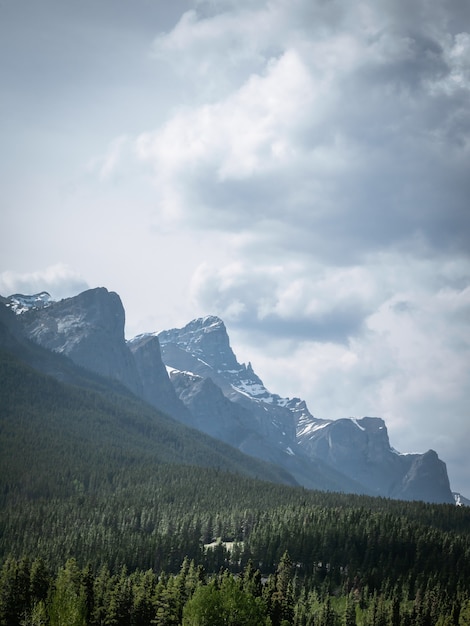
(113, 514)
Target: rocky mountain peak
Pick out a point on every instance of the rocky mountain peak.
(426, 479)
(62, 325)
(203, 347)
(357, 448)
(203, 336)
(89, 329)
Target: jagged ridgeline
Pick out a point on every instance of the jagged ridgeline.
(209, 390)
(94, 477)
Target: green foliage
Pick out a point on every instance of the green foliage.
(77, 596)
(67, 605)
(106, 507)
(223, 603)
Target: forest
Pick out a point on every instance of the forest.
(112, 514)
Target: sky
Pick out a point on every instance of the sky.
(300, 168)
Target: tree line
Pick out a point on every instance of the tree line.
(30, 595)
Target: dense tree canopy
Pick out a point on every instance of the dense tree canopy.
(111, 514)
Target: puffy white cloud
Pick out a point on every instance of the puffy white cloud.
(342, 136)
(287, 300)
(60, 280)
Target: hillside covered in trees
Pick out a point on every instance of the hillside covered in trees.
(112, 513)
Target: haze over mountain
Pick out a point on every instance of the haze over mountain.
(214, 393)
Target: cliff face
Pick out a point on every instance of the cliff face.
(425, 480)
(89, 329)
(156, 388)
(360, 448)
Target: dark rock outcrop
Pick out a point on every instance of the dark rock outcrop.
(426, 479)
(156, 387)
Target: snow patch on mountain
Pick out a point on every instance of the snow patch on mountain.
(20, 303)
(173, 371)
(308, 428)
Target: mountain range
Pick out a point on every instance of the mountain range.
(192, 375)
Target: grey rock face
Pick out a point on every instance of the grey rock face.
(231, 422)
(357, 447)
(205, 337)
(89, 329)
(156, 386)
(212, 412)
(361, 449)
(229, 401)
(185, 350)
(426, 479)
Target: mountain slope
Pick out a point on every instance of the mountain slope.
(48, 424)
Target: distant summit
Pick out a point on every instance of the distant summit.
(205, 336)
(20, 303)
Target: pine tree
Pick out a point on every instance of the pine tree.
(102, 586)
(68, 600)
(120, 600)
(39, 581)
(14, 591)
(327, 614)
(464, 617)
(143, 610)
(350, 612)
(282, 601)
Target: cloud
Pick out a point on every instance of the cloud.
(286, 301)
(112, 161)
(204, 159)
(59, 280)
(345, 138)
